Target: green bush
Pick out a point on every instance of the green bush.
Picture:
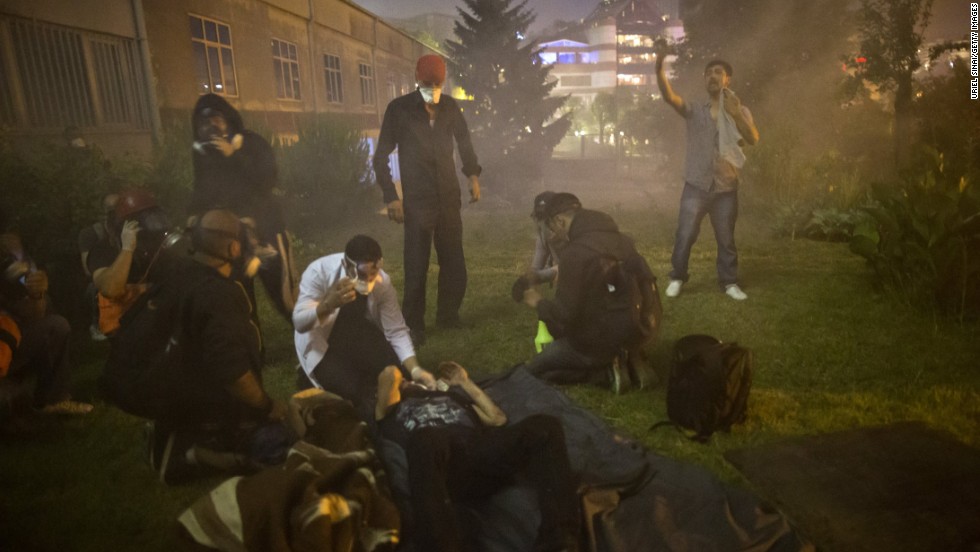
(923, 237)
(810, 195)
(325, 174)
(51, 192)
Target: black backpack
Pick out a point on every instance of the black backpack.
(629, 310)
(709, 385)
(144, 362)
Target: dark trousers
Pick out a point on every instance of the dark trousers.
(44, 352)
(425, 226)
(443, 468)
(561, 362)
(357, 352)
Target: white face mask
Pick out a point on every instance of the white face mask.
(365, 287)
(431, 95)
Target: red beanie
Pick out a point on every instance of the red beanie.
(430, 68)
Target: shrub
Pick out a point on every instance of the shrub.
(923, 238)
(50, 192)
(325, 174)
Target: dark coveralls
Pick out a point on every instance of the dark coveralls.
(431, 198)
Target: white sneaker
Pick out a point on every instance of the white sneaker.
(735, 292)
(674, 288)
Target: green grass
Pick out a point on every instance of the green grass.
(831, 353)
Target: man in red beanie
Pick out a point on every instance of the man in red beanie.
(424, 125)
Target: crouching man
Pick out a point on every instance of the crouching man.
(218, 414)
(349, 326)
(459, 447)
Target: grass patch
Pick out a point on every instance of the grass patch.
(830, 354)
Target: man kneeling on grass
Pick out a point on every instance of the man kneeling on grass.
(459, 447)
(219, 415)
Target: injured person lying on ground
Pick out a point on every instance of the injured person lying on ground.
(331, 491)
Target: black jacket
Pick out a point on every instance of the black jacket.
(425, 153)
(581, 279)
(242, 182)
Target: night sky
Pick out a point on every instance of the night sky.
(547, 10)
(950, 18)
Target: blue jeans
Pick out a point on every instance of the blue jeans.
(722, 210)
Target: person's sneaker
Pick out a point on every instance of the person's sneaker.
(66, 407)
(735, 292)
(619, 379)
(95, 333)
(172, 465)
(674, 288)
(156, 442)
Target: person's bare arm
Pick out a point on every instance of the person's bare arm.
(389, 391)
(487, 410)
(663, 84)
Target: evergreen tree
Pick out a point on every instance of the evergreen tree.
(514, 121)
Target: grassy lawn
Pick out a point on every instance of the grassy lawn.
(831, 353)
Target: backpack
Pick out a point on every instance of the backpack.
(147, 352)
(629, 312)
(709, 385)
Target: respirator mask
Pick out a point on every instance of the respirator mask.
(431, 94)
(365, 275)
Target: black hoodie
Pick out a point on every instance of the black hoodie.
(581, 279)
(242, 182)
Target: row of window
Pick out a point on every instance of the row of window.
(53, 76)
(215, 63)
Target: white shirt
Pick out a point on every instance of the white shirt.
(313, 332)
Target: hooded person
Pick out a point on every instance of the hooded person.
(583, 346)
(235, 169)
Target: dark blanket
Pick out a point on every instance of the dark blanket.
(329, 495)
(633, 499)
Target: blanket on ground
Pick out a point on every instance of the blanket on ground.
(633, 499)
(329, 495)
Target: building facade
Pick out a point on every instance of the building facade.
(122, 70)
(612, 47)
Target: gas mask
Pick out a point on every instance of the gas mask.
(431, 94)
(245, 265)
(359, 272)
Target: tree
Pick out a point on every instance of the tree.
(891, 34)
(514, 121)
(606, 111)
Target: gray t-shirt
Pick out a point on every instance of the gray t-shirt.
(703, 167)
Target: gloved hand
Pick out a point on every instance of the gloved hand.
(129, 233)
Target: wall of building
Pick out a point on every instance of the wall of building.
(314, 27)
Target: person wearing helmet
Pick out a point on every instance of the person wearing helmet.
(235, 169)
(130, 256)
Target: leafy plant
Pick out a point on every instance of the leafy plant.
(923, 238)
(833, 224)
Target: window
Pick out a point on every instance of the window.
(335, 82)
(53, 76)
(366, 73)
(566, 57)
(392, 87)
(214, 60)
(285, 64)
